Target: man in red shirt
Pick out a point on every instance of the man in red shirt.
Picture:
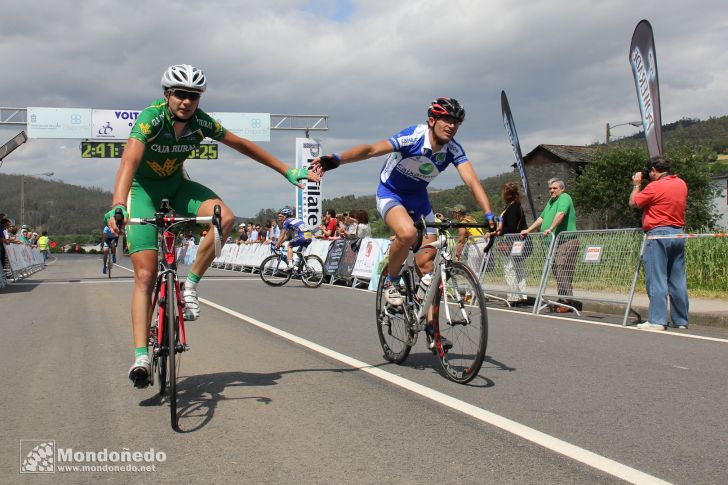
(663, 201)
(330, 223)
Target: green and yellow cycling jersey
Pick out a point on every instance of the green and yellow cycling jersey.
(164, 153)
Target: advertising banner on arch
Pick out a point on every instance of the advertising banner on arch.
(308, 199)
(113, 124)
(59, 123)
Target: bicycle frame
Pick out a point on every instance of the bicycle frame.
(167, 243)
(442, 257)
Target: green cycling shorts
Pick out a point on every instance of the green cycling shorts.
(145, 197)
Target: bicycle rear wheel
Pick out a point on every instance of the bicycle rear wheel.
(273, 271)
(171, 337)
(460, 315)
(312, 271)
(394, 324)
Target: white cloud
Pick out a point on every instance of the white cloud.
(372, 65)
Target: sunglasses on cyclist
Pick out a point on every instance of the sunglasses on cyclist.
(191, 95)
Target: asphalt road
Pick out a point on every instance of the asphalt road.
(288, 385)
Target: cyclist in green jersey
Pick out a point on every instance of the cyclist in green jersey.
(151, 170)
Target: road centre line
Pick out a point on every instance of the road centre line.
(574, 452)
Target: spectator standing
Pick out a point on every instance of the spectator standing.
(513, 221)
(663, 202)
(558, 216)
(242, 234)
(330, 224)
(23, 238)
(276, 231)
(252, 234)
(363, 229)
(459, 215)
(44, 245)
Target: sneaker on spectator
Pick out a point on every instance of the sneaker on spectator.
(192, 304)
(681, 327)
(392, 294)
(140, 371)
(650, 326)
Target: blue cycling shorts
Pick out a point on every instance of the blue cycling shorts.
(417, 204)
(299, 242)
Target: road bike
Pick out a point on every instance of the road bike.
(453, 301)
(275, 272)
(110, 257)
(167, 330)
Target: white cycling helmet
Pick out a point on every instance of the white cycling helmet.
(184, 76)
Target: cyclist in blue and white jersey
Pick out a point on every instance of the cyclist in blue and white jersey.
(295, 231)
(109, 240)
(417, 155)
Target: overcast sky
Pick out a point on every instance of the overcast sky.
(373, 66)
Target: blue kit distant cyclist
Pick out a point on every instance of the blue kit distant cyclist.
(293, 230)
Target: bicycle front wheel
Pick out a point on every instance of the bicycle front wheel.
(460, 316)
(394, 324)
(312, 271)
(274, 271)
(171, 310)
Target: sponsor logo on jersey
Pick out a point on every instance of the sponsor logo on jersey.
(427, 168)
(145, 128)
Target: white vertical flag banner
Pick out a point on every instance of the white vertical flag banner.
(308, 200)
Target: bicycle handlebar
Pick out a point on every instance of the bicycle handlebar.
(172, 220)
(451, 225)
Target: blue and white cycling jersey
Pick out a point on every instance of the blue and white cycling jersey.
(108, 234)
(412, 165)
(109, 237)
(300, 232)
(297, 227)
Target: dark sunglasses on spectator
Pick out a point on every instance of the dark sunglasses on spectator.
(191, 95)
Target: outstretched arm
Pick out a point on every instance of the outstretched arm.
(356, 154)
(254, 151)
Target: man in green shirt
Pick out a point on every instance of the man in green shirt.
(151, 170)
(556, 217)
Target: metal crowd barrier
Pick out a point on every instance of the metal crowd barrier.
(513, 268)
(24, 260)
(600, 265)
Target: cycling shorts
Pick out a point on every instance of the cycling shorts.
(417, 204)
(109, 240)
(145, 197)
(300, 242)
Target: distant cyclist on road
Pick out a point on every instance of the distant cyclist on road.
(293, 230)
(151, 170)
(109, 240)
(416, 156)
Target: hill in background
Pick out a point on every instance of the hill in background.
(53, 205)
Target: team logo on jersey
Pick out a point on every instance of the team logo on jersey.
(169, 167)
(427, 168)
(440, 157)
(145, 128)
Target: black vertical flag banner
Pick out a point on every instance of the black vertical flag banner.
(513, 137)
(643, 60)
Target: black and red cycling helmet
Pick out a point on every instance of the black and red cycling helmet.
(446, 107)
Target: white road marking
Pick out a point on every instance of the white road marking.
(574, 452)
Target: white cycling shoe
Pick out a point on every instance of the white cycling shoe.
(140, 371)
(192, 304)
